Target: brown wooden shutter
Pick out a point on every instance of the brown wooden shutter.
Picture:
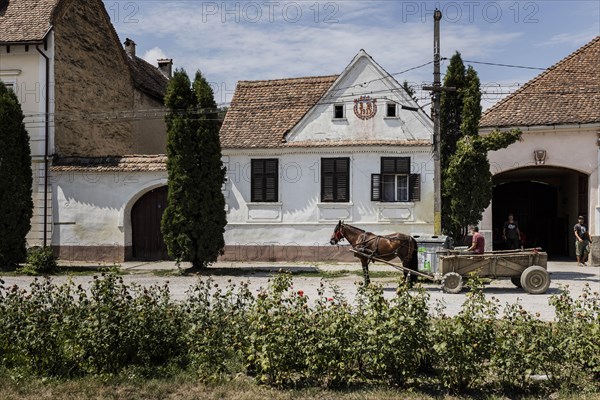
(414, 183)
(335, 179)
(395, 165)
(271, 180)
(256, 180)
(327, 179)
(264, 180)
(342, 184)
(375, 187)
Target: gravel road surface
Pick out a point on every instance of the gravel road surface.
(308, 277)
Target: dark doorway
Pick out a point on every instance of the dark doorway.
(545, 201)
(146, 214)
(535, 206)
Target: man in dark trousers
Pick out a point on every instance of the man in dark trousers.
(511, 233)
(582, 241)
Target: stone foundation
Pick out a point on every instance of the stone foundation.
(107, 254)
(314, 254)
(594, 258)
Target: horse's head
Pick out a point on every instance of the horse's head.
(338, 234)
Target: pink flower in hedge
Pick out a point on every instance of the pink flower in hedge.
(300, 293)
(330, 299)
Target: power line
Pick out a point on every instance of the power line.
(504, 65)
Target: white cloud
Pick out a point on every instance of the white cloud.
(154, 54)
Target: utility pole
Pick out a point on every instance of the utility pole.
(436, 91)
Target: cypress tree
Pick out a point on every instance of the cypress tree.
(212, 202)
(468, 181)
(451, 107)
(16, 180)
(194, 220)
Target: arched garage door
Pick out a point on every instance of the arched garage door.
(146, 214)
(545, 201)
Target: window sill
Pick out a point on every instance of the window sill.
(391, 118)
(339, 120)
(265, 203)
(395, 203)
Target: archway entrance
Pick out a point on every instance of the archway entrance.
(146, 214)
(545, 202)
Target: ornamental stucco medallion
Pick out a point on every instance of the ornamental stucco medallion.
(365, 107)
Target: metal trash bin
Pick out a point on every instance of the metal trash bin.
(429, 248)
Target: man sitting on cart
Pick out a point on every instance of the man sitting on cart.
(478, 242)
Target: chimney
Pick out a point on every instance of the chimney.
(130, 47)
(165, 65)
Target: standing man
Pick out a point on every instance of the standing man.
(511, 233)
(478, 242)
(582, 242)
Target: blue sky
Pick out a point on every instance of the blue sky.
(246, 40)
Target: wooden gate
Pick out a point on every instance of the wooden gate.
(146, 214)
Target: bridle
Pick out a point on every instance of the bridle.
(337, 235)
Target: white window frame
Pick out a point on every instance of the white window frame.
(397, 189)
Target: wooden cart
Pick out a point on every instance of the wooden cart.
(525, 268)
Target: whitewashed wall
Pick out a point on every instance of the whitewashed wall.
(25, 69)
(299, 217)
(572, 147)
(93, 210)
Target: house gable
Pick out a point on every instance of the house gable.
(363, 77)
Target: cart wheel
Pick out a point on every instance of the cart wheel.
(452, 283)
(535, 280)
(516, 280)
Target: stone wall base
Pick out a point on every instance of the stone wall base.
(258, 253)
(292, 253)
(107, 254)
(594, 258)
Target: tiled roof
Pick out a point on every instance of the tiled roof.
(566, 93)
(133, 163)
(148, 78)
(340, 143)
(25, 20)
(261, 112)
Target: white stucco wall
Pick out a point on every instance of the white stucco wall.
(94, 209)
(572, 147)
(25, 68)
(299, 217)
(363, 77)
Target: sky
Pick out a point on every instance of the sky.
(229, 41)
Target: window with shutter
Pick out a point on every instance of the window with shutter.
(395, 183)
(335, 180)
(264, 180)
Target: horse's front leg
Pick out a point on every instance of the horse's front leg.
(365, 268)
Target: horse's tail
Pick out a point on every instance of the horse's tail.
(414, 260)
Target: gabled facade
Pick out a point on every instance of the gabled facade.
(303, 153)
(83, 95)
(551, 176)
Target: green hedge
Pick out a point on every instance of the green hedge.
(282, 339)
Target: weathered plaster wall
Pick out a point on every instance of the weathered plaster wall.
(92, 218)
(93, 84)
(300, 223)
(574, 148)
(149, 127)
(319, 123)
(25, 68)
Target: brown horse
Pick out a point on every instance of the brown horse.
(385, 247)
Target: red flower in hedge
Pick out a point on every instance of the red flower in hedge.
(300, 293)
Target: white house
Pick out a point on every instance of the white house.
(88, 102)
(550, 177)
(303, 153)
